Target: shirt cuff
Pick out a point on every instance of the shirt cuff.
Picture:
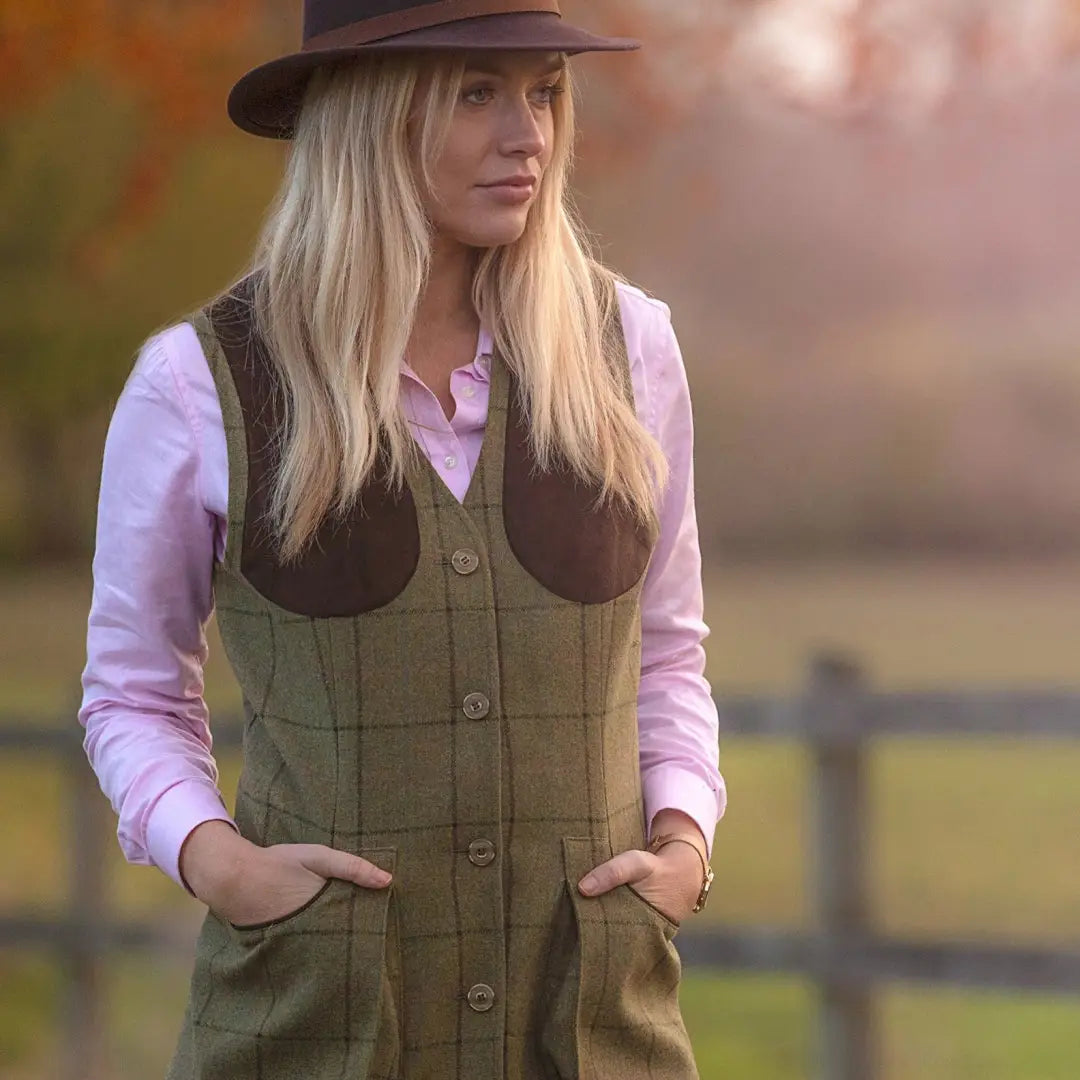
(180, 810)
(674, 789)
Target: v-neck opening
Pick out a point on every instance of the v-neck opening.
(498, 401)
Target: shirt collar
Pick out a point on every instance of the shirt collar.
(484, 348)
(481, 364)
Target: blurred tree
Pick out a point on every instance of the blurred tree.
(99, 102)
(171, 62)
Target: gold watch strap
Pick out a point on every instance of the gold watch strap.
(660, 841)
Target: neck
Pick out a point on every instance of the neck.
(446, 304)
(446, 326)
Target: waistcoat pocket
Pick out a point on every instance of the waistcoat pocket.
(315, 993)
(613, 1006)
(274, 924)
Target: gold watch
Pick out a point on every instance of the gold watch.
(657, 842)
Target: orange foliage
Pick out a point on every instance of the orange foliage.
(174, 60)
(164, 53)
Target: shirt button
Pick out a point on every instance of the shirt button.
(481, 852)
(485, 360)
(481, 997)
(469, 391)
(476, 706)
(465, 560)
(450, 460)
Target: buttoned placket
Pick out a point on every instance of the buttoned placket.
(483, 850)
(441, 439)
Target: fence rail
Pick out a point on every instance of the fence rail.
(837, 717)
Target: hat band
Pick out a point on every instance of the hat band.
(420, 17)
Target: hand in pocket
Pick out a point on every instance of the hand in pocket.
(270, 884)
(670, 880)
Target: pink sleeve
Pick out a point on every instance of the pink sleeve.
(678, 729)
(147, 733)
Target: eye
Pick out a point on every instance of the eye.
(470, 95)
(550, 92)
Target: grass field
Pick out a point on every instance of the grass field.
(970, 839)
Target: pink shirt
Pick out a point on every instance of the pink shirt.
(162, 514)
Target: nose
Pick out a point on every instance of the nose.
(522, 134)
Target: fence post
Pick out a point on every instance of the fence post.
(84, 1011)
(846, 1038)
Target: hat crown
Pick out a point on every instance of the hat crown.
(267, 101)
(326, 16)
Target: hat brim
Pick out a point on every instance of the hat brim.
(267, 99)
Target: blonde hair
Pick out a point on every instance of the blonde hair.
(340, 267)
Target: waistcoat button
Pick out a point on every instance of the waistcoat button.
(476, 706)
(481, 997)
(465, 560)
(481, 852)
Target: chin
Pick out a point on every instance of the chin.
(504, 237)
(494, 233)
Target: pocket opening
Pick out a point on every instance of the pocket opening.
(669, 922)
(250, 928)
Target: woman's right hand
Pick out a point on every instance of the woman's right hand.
(247, 884)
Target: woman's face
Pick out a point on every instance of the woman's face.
(501, 129)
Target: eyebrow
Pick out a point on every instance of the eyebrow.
(479, 68)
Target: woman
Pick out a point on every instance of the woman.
(431, 465)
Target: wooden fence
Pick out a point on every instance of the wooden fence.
(837, 717)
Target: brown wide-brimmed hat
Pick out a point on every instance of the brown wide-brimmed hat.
(267, 99)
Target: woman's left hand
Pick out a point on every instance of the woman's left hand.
(670, 880)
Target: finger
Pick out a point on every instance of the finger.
(624, 868)
(329, 862)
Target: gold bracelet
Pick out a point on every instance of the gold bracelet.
(663, 839)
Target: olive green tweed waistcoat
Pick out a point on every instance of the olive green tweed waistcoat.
(450, 691)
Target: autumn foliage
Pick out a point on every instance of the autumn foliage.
(172, 61)
(165, 54)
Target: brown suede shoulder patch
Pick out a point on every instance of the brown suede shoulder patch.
(579, 553)
(356, 564)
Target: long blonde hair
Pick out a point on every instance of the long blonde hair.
(339, 270)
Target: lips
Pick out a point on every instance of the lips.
(514, 181)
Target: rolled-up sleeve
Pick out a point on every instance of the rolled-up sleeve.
(147, 733)
(677, 717)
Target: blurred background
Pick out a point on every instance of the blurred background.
(864, 216)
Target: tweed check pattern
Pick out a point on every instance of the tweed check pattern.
(477, 736)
